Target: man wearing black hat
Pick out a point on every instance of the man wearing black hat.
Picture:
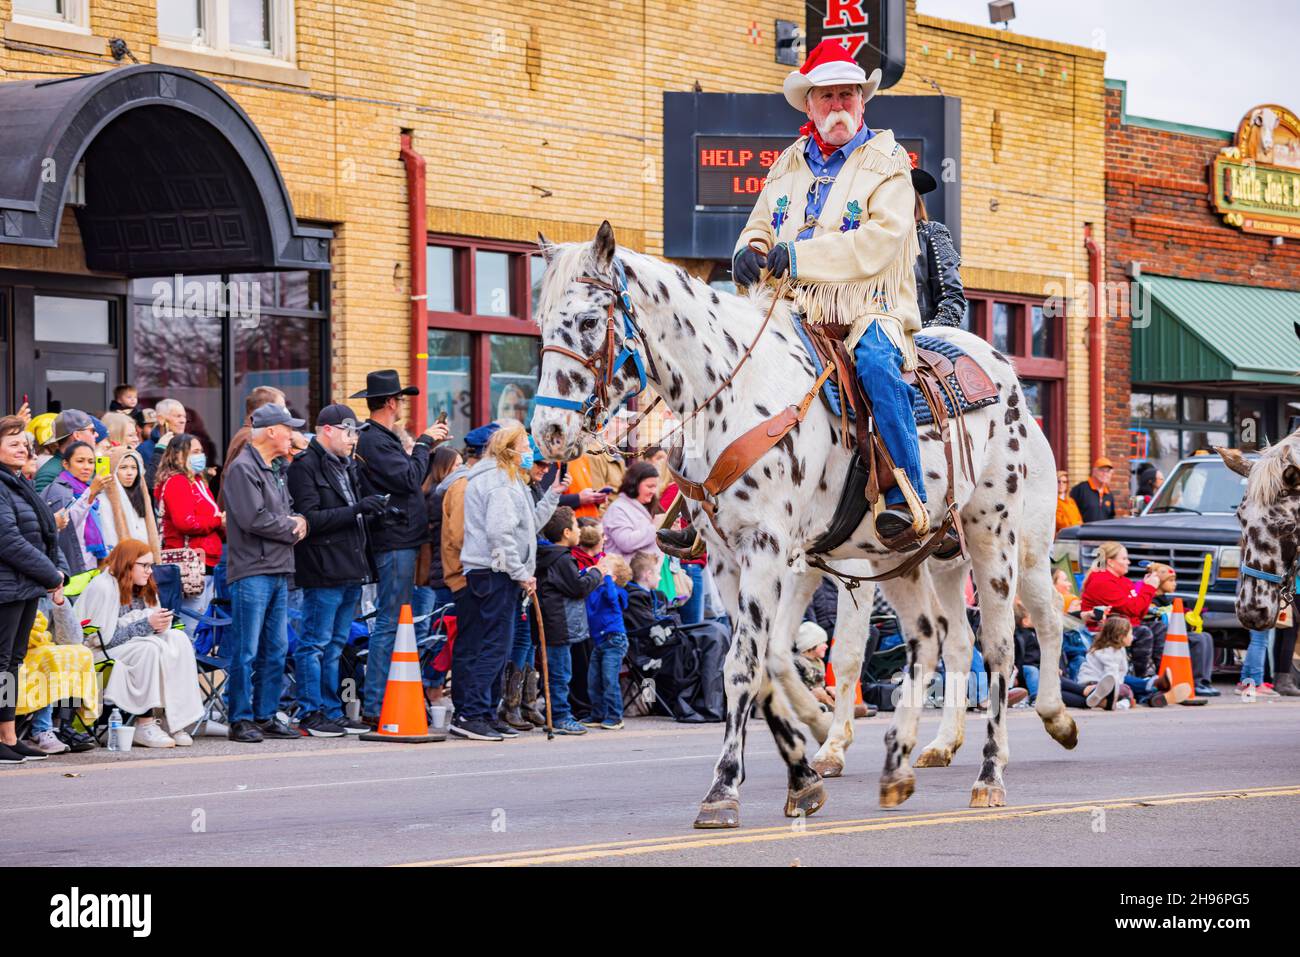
(261, 531)
(331, 565)
(403, 527)
(939, 292)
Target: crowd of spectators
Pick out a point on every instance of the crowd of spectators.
(352, 521)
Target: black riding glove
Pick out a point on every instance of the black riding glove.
(778, 261)
(746, 266)
(371, 505)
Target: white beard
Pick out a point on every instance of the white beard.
(833, 118)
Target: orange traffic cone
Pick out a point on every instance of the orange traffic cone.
(1177, 657)
(830, 682)
(402, 717)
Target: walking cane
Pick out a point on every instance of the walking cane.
(546, 673)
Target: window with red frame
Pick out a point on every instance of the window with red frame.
(1031, 333)
(483, 346)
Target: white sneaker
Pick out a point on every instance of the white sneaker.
(152, 735)
(47, 742)
(182, 739)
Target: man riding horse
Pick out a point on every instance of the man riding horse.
(836, 215)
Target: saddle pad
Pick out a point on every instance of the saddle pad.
(944, 347)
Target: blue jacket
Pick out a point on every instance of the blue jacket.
(605, 610)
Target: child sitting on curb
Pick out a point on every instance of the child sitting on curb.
(605, 607)
(1109, 655)
(810, 661)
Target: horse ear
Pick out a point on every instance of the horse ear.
(547, 247)
(1234, 460)
(602, 250)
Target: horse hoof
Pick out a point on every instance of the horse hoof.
(805, 802)
(934, 758)
(716, 814)
(828, 767)
(895, 792)
(984, 795)
(1063, 729)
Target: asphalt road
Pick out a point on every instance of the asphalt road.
(1212, 785)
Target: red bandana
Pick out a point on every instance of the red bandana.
(810, 129)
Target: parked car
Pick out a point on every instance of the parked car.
(1192, 515)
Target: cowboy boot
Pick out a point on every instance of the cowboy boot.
(684, 543)
(508, 711)
(1285, 684)
(529, 704)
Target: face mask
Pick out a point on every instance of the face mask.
(198, 463)
(526, 459)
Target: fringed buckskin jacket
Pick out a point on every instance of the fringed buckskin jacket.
(858, 267)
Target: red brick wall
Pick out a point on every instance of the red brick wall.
(1159, 213)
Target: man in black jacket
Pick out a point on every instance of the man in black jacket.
(330, 565)
(403, 527)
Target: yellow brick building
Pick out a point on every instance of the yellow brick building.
(548, 118)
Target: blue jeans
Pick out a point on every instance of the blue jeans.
(43, 720)
(486, 610)
(422, 602)
(559, 666)
(327, 615)
(259, 611)
(880, 368)
(1143, 688)
(1030, 674)
(602, 678)
(693, 611)
(1252, 666)
(521, 650)
(396, 588)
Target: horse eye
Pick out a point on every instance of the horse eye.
(589, 322)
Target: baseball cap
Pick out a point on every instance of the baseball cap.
(273, 414)
(69, 421)
(1103, 463)
(476, 440)
(340, 416)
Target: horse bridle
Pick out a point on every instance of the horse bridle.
(608, 360)
(1286, 582)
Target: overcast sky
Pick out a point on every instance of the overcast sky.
(1205, 62)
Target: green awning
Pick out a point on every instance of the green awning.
(1217, 332)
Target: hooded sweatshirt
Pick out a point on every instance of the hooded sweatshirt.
(452, 535)
(501, 522)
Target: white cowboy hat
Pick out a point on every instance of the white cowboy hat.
(829, 64)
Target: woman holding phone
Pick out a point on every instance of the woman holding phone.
(153, 663)
(76, 491)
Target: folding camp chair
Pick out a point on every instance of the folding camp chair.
(208, 632)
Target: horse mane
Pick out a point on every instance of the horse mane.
(1264, 486)
(571, 260)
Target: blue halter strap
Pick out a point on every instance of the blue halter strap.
(603, 365)
(1251, 572)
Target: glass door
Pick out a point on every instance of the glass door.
(75, 353)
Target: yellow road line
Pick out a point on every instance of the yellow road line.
(628, 848)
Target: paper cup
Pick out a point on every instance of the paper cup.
(125, 737)
(438, 716)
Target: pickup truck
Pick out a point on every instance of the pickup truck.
(1194, 513)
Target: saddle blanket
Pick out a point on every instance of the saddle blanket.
(920, 409)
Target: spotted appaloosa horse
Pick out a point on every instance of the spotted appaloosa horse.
(1270, 523)
(692, 337)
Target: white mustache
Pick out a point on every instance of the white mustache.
(834, 118)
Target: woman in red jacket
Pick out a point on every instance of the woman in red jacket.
(190, 517)
(1107, 586)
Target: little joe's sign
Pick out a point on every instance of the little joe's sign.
(1257, 179)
